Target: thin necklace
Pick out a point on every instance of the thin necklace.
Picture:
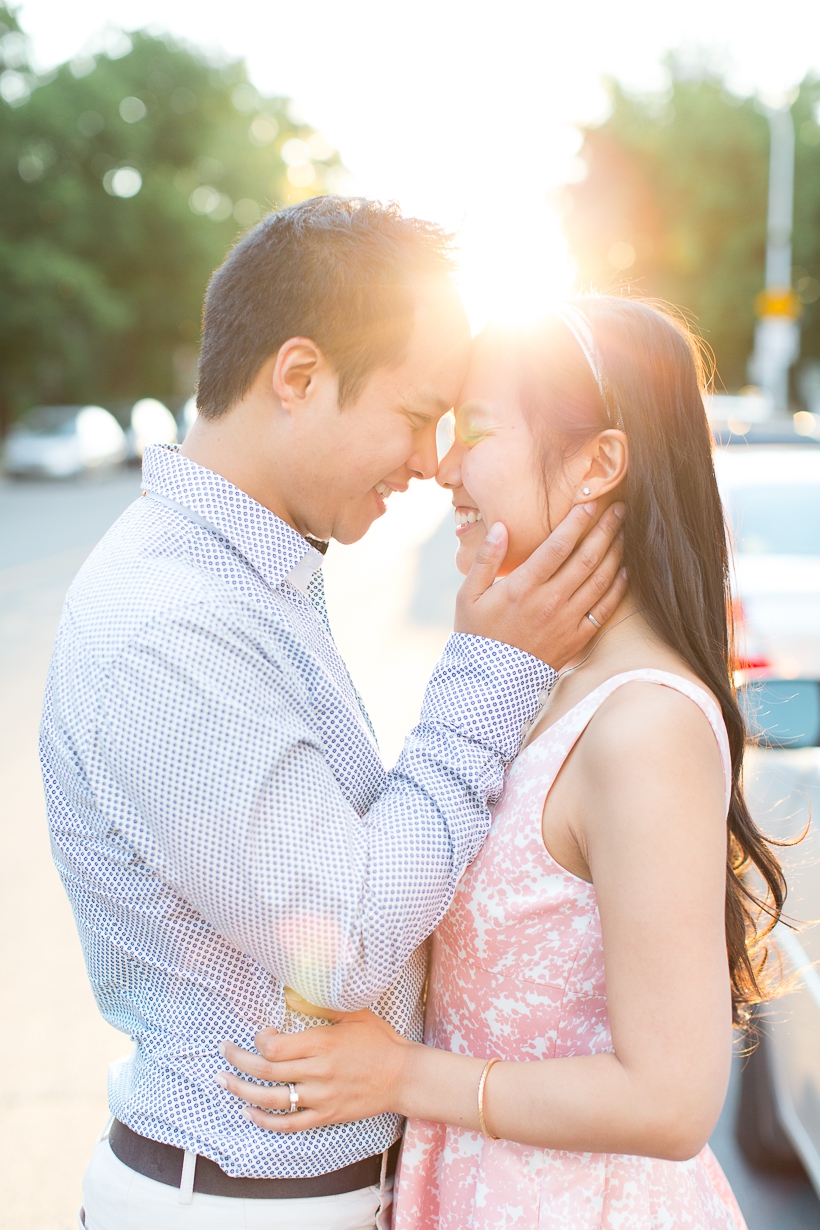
(533, 724)
(578, 665)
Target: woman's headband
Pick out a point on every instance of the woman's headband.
(579, 327)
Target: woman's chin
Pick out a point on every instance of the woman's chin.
(464, 558)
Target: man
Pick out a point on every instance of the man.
(219, 813)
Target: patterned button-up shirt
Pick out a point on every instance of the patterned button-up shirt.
(220, 816)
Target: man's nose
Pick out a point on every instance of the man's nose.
(424, 462)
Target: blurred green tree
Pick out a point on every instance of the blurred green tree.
(127, 176)
(674, 206)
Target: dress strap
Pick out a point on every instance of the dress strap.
(572, 724)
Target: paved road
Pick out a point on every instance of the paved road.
(390, 599)
(55, 1045)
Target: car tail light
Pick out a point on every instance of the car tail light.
(743, 661)
(751, 664)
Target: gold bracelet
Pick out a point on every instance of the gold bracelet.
(482, 1122)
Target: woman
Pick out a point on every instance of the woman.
(584, 982)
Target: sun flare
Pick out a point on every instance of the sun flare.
(513, 267)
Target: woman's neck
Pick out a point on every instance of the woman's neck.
(626, 642)
(614, 637)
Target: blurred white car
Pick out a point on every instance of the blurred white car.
(189, 415)
(60, 441)
(772, 496)
(778, 1117)
(151, 423)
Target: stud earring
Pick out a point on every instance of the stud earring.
(585, 491)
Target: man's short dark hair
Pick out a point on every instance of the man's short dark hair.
(338, 271)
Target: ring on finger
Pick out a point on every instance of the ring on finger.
(593, 620)
(294, 1097)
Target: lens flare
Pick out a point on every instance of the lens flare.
(314, 946)
(513, 269)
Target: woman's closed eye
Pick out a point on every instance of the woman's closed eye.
(474, 421)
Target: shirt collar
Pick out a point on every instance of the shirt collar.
(270, 545)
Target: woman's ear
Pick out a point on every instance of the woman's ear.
(605, 462)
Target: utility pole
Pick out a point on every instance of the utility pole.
(777, 336)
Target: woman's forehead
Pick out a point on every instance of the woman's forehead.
(490, 374)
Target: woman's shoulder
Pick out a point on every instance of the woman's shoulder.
(657, 720)
(651, 758)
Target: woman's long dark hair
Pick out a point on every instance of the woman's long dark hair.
(675, 541)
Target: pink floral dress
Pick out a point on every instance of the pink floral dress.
(518, 971)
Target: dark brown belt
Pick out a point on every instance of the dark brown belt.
(163, 1164)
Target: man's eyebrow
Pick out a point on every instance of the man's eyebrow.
(426, 404)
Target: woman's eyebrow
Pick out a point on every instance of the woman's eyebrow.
(475, 405)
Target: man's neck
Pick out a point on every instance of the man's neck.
(230, 451)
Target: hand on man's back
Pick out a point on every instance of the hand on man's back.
(542, 606)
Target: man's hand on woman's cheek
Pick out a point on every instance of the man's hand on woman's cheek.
(542, 606)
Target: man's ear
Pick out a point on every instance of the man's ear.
(295, 370)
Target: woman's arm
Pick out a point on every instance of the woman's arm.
(651, 823)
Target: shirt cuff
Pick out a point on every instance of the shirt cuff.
(487, 691)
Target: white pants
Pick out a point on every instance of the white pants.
(118, 1198)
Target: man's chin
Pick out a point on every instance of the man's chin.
(348, 532)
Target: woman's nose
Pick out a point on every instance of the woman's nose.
(449, 470)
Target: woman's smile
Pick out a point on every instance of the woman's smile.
(493, 440)
(466, 518)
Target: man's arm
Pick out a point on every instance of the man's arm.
(209, 729)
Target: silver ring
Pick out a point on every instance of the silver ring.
(294, 1098)
(593, 620)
